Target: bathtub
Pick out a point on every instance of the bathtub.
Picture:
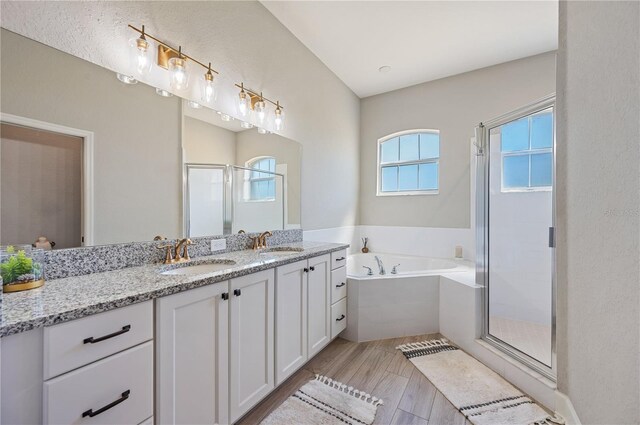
(395, 305)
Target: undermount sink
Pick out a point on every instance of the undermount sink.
(198, 268)
(281, 251)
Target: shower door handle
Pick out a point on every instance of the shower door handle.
(552, 237)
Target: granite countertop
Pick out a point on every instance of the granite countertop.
(61, 300)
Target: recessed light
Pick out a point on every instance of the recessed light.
(384, 69)
(127, 79)
(163, 93)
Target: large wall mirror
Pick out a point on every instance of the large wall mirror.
(88, 160)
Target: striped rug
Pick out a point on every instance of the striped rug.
(479, 393)
(323, 401)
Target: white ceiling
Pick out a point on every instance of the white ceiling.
(420, 40)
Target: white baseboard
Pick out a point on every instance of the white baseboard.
(564, 408)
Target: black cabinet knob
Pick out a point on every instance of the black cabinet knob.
(312, 268)
(237, 292)
(225, 296)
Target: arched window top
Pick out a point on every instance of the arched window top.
(408, 163)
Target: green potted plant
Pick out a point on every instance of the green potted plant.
(21, 268)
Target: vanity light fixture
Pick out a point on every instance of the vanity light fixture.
(194, 105)
(246, 125)
(163, 93)
(278, 120)
(209, 92)
(179, 74)
(243, 101)
(175, 60)
(251, 100)
(127, 79)
(140, 54)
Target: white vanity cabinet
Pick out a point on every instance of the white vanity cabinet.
(291, 318)
(338, 292)
(319, 304)
(192, 329)
(251, 347)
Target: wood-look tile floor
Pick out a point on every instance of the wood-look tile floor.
(379, 369)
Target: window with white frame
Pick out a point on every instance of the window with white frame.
(261, 179)
(527, 153)
(408, 163)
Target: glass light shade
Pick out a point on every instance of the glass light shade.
(209, 92)
(127, 79)
(163, 93)
(260, 109)
(278, 120)
(179, 73)
(140, 51)
(243, 104)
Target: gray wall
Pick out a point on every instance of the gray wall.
(207, 144)
(453, 105)
(137, 172)
(598, 196)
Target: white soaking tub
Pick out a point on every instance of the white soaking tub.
(395, 305)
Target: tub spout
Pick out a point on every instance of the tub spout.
(380, 266)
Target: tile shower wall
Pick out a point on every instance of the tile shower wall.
(95, 259)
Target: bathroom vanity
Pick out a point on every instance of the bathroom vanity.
(139, 346)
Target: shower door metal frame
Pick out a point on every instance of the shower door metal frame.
(482, 233)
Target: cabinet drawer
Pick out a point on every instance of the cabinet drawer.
(338, 317)
(338, 259)
(338, 284)
(70, 345)
(116, 390)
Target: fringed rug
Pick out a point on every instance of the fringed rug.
(323, 401)
(476, 391)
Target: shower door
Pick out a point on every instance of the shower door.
(516, 254)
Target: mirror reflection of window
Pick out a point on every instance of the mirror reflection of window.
(261, 180)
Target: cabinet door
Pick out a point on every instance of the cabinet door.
(192, 356)
(291, 318)
(251, 362)
(319, 304)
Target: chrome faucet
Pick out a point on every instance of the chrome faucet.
(369, 271)
(380, 265)
(394, 270)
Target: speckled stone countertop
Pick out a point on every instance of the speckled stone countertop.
(61, 300)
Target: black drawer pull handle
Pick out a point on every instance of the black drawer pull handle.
(92, 340)
(312, 268)
(90, 413)
(237, 292)
(340, 259)
(341, 285)
(341, 318)
(225, 296)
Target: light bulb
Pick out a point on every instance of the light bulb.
(179, 72)
(140, 55)
(208, 88)
(260, 108)
(243, 103)
(278, 120)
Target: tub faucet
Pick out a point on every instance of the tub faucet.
(369, 271)
(380, 265)
(394, 270)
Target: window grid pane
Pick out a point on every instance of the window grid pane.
(412, 163)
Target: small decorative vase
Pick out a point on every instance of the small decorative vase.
(21, 268)
(365, 250)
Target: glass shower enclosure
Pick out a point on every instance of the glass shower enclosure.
(515, 233)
